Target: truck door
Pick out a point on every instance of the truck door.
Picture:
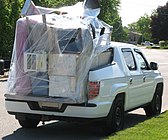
(148, 77)
(135, 80)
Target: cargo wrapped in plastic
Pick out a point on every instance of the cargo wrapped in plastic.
(53, 54)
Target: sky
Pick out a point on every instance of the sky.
(132, 10)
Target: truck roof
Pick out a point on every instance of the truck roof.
(122, 45)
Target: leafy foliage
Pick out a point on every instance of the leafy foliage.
(4, 27)
(142, 26)
(132, 27)
(163, 44)
(159, 23)
(109, 13)
(55, 3)
(9, 13)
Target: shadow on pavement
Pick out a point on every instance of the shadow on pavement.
(58, 131)
(3, 80)
(70, 131)
(133, 119)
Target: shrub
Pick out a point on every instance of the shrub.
(163, 44)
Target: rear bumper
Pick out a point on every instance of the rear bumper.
(89, 111)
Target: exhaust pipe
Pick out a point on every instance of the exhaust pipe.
(92, 4)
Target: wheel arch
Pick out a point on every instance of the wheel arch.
(154, 107)
(122, 96)
(159, 88)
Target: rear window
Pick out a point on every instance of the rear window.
(103, 59)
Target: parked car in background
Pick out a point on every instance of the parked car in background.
(147, 43)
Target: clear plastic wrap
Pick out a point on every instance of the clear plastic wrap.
(53, 54)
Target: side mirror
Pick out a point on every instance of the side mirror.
(154, 65)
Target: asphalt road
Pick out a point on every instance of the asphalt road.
(11, 130)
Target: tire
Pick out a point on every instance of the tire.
(115, 119)
(29, 123)
(154, 108)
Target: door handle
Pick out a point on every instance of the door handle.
(130, 81)
(144, 79)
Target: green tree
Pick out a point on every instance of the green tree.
(142, 26)
(9, 13)
(126, 33)
(132, 27)
(109, 14)
(15, 9)
(54, 3)
(4, 27)
(159, 24)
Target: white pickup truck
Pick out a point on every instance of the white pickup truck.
(127, 82)
(65, 67)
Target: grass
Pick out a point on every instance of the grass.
(155, 47)
(153, 129)
(164, 47)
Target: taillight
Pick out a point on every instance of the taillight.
(93, 89)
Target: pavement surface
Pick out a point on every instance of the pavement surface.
(11, 130)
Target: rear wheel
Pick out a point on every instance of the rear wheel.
(154, 108)
(115, 119)
(29, 123)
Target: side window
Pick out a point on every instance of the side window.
(129, 59)
(142, 61)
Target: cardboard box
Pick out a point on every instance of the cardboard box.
(62, 86)
(62, 64)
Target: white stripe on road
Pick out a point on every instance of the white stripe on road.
(163, 63)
